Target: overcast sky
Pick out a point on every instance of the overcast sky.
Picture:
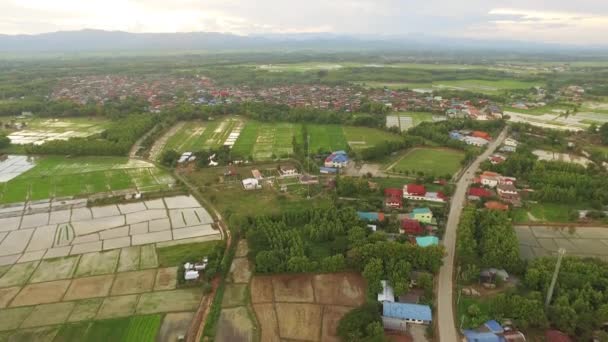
(555, 21)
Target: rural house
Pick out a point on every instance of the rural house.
(424, 215)
(409, 313)
(393, 198)
(489, 179)
(411, 227)
(475, 194)
(370, 216)
(288, 171)
(251, 184)
(338, 159)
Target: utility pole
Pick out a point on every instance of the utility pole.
(558, 264)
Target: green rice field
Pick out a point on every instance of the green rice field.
(265, 140)
(326, 138)
(197, 135)
(61, 176)
(430, 161)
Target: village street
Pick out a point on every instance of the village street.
(445, 309)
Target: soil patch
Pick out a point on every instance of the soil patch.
(234, 325)
(267, 319)
(293, 288)
(148, 257)
(133, 282)
(261, 290)
(117, 306)
(345, 289)
(234, 295)
(41, 293)
(299, 321)
(175, 325)
(331, 318)
(240, 270)
(85, 310)
(169, 301)
(89, 287)
(48, 314)
(55, 269)
(166, 279)
(7, 294)
(129, 259)
(97, 263)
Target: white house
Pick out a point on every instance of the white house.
(251, 184)
(474, 141)
(288, 171)
(489, 179)
(511, 142)
(387, 294)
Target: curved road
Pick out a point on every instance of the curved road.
(445, 300)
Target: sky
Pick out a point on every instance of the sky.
(580, 22)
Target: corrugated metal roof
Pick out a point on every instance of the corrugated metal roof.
(407, 311)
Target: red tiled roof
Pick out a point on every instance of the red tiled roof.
(410, 226)
(393, 192)
(556, 336)
(416, 189)
(479, 192)
(494, 205)
(480, 134)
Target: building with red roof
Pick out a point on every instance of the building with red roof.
(393, 198)
(481, 134)
(411, 227)
(415, 192)
(476, 194)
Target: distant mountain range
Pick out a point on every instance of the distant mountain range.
(98, 40)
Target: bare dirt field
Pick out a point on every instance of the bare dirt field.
(167, 301)
(166, 279)
(299, 321)
(89, 287)
(133, 282)
(234, 325)
(304, 307)
(293, 288)
(240, 270)
(261, 290)
(41, 293)
(267, 319)
(174, 325)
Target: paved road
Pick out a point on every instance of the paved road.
(445, 300)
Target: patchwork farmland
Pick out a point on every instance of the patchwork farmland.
(39, 131)
(61, 177)
(120, 295)
(304, 307)
(197, 135)
(263, 140)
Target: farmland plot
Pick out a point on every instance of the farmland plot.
(263, 140)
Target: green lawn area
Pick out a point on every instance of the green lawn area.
(547, 212)
(430, 161)
(62, 176)
(262, 140)
(326, 138)
(484, 86)
(177, 255)
(363, 137)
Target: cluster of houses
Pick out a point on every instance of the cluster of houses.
(473, 138)
(495, 185)
(492, 331)
(418, 224)
(192, 270)
(466, 109)
(393, 197)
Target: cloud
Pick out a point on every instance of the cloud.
(583, 21)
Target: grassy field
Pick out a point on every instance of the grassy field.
(61, 176)
(177, 255)
(546, 212)
(363, 137)
(430, 161)
(262, 140)
(326, 138)
(485, 87)
(197, 135)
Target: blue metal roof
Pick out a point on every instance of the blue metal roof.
(494, 326)
(368, 216)
(407, 311)
(340, 158)
(425, 241)
(328, 169)
(474, 336)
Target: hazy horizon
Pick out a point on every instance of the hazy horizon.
(583, 23)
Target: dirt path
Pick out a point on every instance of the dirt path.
(137, 145)
(158, 146)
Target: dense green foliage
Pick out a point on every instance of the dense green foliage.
(331, 240)
(363, 324)
(486, 239)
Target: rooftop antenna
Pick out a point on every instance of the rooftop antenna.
(558, 264)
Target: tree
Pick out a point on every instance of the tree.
(399, 276)
(4, 141)
(373, 273)
(361, 324)
(169, 158)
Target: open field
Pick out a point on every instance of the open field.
(62, 176)
(407, 120)
(363, 137)
(430, 161)
(326, 138)
(87, 302)
(539, 241)
(38, 131)
(478, 86)
(300, 303)
(62, 228)
(262, 140)
(196, 135)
